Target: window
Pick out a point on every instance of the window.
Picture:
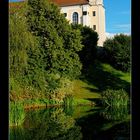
(84, 12)
(75, 18)
(65, 14)
(94, 27)
(94, 13)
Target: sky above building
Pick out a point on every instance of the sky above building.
(118, 16)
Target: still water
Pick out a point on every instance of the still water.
(73, 123)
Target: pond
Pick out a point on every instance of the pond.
(73, 123)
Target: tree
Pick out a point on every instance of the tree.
(59, 41)
(89, 40)
(117, 52)
(26, 67)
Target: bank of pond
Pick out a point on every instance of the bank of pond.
(70, 122)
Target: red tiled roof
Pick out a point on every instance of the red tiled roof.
(15, 4)
(69, 2)
(14, 7)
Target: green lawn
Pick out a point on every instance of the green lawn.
(120, 74)
(103, 76)
(87, 89)
(83, 90)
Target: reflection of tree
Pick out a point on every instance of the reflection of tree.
(73, 134)
(49, 124)
(117, 124)
(97, 126)
(16, 133)
(69, 110)
(115, 113)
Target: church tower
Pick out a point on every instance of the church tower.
(101, 22)
(99, 19)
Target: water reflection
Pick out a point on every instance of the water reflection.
(72, 123)
(115, 113)
(49, 124)
(17, 114)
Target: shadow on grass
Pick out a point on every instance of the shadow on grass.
(97, 101)
(105, 80)
(92, 89)
(92, 128)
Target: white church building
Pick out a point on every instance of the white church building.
(86, 12)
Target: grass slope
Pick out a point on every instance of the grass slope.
(85, 90)
(102, 76)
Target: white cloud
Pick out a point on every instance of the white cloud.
(111, 35)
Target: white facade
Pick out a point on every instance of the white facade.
(91, 14)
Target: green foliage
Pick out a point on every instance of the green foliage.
(68, 100)
(19, 41)
(115, 97)
(17, 114)
(43, 50)
(50, 124)
(117, 52)
(59, 42)
(115, 113)
(89, 40)
(15, 89)
(26, 68)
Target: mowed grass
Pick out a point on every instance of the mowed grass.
(103, 77)
(126, 76)
(83, 90)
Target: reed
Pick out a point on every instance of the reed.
(68, 100)
(17, 114)
(115, 97)
(115, 113)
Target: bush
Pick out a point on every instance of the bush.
(117, 52)
(116, 113)
(115, 97)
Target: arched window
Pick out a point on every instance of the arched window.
(75, 18)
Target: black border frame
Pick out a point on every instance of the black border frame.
(4, 69)
(4, 74)
(135, 92)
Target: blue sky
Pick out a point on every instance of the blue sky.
(118, 16)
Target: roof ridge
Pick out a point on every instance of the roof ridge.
(69, 2)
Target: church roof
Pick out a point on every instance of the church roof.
(69, 2)
(15, 6)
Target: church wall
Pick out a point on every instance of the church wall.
(101, 25)
(94, 19)
(70, 10)
(89, 19)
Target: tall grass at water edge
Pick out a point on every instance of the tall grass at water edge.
(115, 97)
(17, 114)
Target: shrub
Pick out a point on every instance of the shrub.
(117, 52)
(115, 113)
(115, 97)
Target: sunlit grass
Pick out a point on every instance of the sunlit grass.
(122, 75)
(82, 90)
